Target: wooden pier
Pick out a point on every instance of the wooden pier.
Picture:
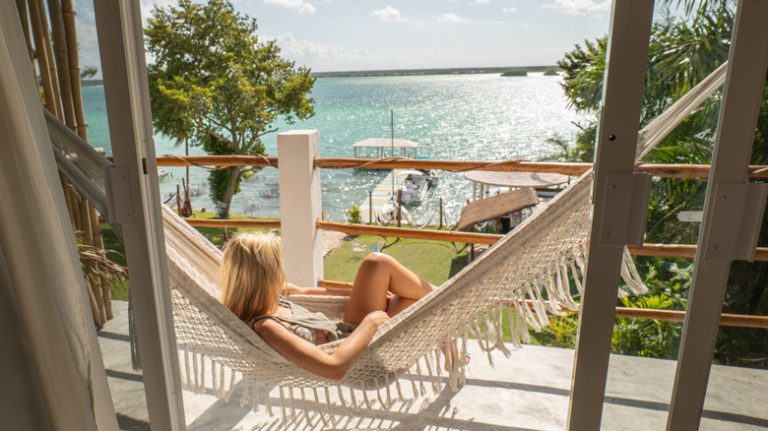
(376, 200)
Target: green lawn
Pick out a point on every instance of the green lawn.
(434, 261)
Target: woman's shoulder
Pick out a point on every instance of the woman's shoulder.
(266, 323)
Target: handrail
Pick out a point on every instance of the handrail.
(658, 250)
(437, 235)
(679, 171)
(726, 319)
(270, 223)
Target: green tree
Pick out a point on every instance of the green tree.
(215, 84)
(683, 51)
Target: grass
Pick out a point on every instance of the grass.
(434, 261)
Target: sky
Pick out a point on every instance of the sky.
(343, 35)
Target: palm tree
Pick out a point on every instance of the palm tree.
(685, 47)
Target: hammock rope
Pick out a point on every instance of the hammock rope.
(531, 273)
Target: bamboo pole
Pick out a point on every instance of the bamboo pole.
(62, 63)
(86, 234)
(21, 6)
(68, 14)
(679, 171)
(98, 243)
(39, 36)
(52, 67)
(726, 319)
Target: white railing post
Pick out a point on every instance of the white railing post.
(300, 205)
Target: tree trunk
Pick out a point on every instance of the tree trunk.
(234, 179)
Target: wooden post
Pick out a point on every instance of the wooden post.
(370, 207)
(441, 213)
(399, 207)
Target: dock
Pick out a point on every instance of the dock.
(380, 194)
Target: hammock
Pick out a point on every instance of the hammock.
(529, 274)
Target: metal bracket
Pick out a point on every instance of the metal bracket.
(626, 211)
(737, 213)
(118, 188)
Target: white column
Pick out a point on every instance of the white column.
(620, 201)
(134, 198)
(733, 211)
(300, 205)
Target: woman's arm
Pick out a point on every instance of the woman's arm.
(292, 289)
(313, 359)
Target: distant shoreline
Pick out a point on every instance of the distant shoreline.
(436, 71)
(406, 72)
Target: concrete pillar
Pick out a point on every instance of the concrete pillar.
(300, 205)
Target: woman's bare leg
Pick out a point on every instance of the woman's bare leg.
(377, 275)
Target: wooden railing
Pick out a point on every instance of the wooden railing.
(658, 250)
(680, 171)
(726, 319)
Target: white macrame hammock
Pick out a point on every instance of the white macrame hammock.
(531, 273)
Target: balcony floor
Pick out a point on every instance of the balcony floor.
(528, 391)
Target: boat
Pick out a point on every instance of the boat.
(415, 185)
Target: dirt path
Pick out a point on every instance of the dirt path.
(332, 241)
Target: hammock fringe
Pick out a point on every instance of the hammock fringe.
(546, 295)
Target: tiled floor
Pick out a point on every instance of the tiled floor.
(528, 391)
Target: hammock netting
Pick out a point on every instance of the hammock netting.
(529, 275)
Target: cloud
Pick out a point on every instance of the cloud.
(510, 9)
(452, 18)
(300, 6)
(387, 14)
(316, 54)
(477, 2)
(579, 7)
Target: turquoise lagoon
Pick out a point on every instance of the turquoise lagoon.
(457, 117)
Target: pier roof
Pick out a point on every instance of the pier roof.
(386, 143)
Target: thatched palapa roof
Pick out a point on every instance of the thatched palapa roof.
(497, 206)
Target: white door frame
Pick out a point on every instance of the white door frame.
(733, 211)
(618, 195)
(134, 195)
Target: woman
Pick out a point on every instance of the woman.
(253, 284)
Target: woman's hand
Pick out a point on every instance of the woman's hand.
(376, 318)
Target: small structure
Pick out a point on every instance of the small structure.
(497, 207)
(376, 148)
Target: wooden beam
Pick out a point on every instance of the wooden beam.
(655, 250)
(434, 235)
(722, 220)
(726, 319)
(613, 197)
(679, 171)
(234, 223)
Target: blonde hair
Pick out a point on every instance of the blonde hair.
(252, 274)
